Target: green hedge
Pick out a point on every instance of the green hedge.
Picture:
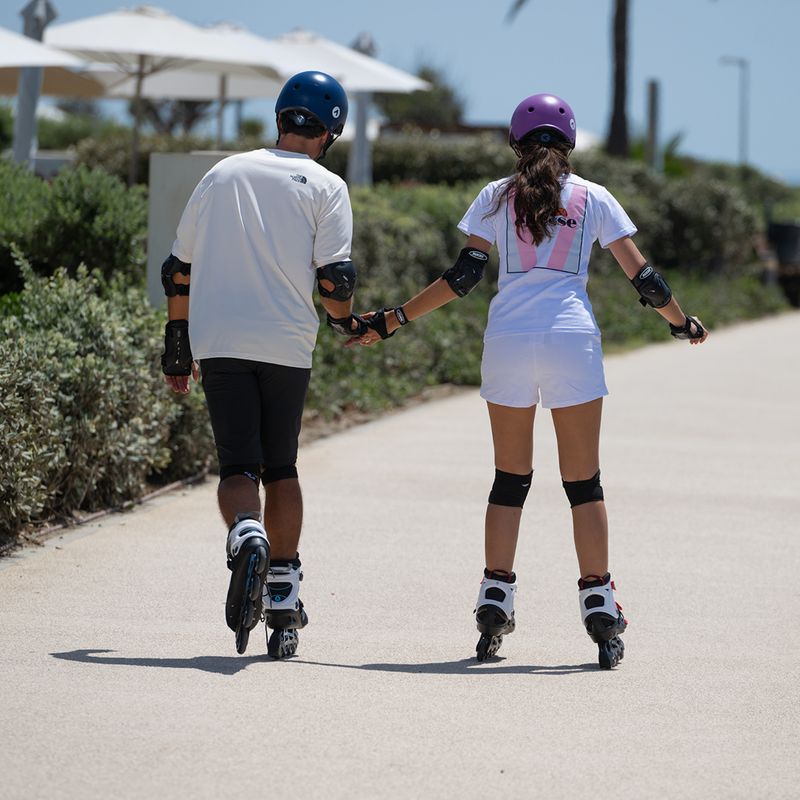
(85, 418)
(83, 217)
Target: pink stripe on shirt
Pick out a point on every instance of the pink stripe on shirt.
(525, 247)
(566, 235)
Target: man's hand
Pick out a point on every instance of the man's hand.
(348, 326)
(180, 383)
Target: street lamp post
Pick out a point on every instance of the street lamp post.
(744, 98)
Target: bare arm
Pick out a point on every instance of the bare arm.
(631, 261)
(433, 296)
(337, 309)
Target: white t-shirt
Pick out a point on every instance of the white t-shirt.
(254, 230)
(543, 289)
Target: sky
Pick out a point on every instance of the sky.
(563, 48)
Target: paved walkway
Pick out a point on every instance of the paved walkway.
(120, 679)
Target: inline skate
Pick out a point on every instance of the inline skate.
(603, 618)
(494, 611)
(248, 561)
(282, 607)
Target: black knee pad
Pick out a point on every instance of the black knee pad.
(272, 474)
(580, 492)
(509, 489)
(248, 470)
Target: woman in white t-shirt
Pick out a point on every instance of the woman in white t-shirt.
(542, 345)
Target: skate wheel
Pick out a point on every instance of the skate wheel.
(282, 643)
(610, 653)
(487, 646)
(242, 638)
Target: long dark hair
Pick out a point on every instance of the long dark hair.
(535, 185)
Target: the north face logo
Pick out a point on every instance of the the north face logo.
(299, 178)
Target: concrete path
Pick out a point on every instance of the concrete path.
(120, 679)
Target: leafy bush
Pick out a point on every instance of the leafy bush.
(23, 206)
(710, 225)
(111, 152)
(6, 127)
(85, 415)
(83, 216)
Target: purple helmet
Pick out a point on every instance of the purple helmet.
(542, 111)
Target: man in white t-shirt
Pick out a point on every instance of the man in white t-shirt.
(258, 232)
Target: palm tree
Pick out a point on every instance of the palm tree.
(617, 142)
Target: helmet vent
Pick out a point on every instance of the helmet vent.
(296, 86)
(530, 108)
(561, 111)
(327, 97)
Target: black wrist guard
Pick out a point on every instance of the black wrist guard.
(685, 331)
(653, 289)
(378, 323)
(177, 356)
(348, 326)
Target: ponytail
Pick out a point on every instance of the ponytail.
(535, 187)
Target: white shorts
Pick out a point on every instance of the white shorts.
(556, 369)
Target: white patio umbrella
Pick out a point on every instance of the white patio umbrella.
(291, 53)
(17, 52)
(147, 40)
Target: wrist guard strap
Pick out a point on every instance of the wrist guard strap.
(177, 356)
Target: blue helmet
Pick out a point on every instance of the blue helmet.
(318, 94)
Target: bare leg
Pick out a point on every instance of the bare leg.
(578, 434)
(238, 495)
(512, 435)
(283, 517)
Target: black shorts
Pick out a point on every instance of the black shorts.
(256, 411)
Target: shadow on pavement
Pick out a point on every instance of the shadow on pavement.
(221, 665)
(466, 666)
(230, 665)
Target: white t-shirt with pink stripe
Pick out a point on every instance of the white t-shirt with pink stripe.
(543, 289)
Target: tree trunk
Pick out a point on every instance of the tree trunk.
(617, 144)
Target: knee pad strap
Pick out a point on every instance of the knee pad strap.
(510, 489)
(248, 470)
(272, 474)
(580, 492)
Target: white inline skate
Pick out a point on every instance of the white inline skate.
(494, 611)
(283, 608)
(603, 618)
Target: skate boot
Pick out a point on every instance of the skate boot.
(248, 561)
(283, 608)
(603, 618)
(494, 611)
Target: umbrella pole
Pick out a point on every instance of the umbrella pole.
(137, 116)
(223, 90)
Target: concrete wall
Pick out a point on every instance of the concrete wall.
(173, 177)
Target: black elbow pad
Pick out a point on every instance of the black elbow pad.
(653, 289)
(342, 274)
(467, 272)
(172, 265)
